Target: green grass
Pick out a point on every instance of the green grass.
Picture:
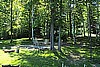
(47, 58)
(73, 56)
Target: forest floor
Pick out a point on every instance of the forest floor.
(70, 56)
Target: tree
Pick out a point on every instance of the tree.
(11, 20)
(52, 24)
(59, 38)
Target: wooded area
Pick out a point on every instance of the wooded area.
(65, 22)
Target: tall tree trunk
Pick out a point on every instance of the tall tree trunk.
(74, 30)
(32, 23)
(44, 29)
(74, 23)
(59, 39)
(29, 24)
(70, 15)
(89, 21)
(11, 21)
(97, 25)
(83, 25)
(84, 28)
(87, 17)
(52, 36)
(98, 22)
(52, 27)
(89, 24)
(70, 24)
(68, 21)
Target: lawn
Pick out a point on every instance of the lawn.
(70, 56)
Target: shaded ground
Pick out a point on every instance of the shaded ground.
(70, 56)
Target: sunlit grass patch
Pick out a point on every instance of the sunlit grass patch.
(5, 58)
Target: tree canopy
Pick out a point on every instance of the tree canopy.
(52, 19)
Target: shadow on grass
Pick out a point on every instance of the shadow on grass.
(47, 58)
(55, 58)
(38, 59)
